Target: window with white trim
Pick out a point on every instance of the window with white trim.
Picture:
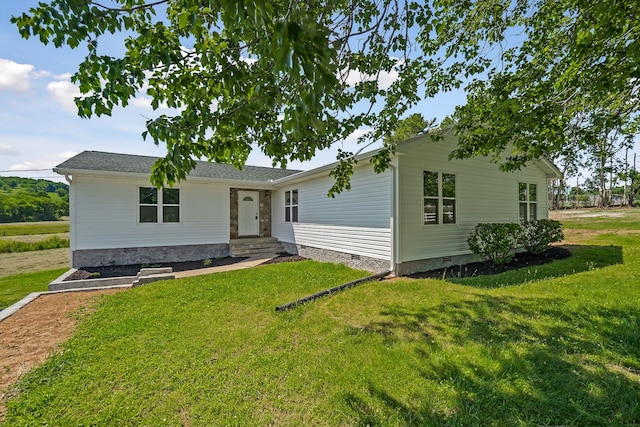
(527, 201)
(291, 206)
(439, 197)
(159, 206)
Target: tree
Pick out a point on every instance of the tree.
(602, 163)
(404, 129)
(556, 72)
(283, 75)
(293, 77)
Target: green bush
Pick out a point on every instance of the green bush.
(495, 242)
(11, 246)
(538, 235)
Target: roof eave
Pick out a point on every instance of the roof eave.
(547, 166)
(260, 185)
(312, 173)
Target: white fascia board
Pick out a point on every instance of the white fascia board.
(547, 166)
(255, 185)
(319, 171)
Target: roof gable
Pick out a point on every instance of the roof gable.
(98, 161)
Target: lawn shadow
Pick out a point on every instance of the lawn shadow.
(582, 258)
(512, 361)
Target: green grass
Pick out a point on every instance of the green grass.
(13, 246)
(24, 228)
(211, 350)
(14, 288)
(584, 258)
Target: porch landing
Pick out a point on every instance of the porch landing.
(252, 246)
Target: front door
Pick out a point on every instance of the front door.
(248, 222)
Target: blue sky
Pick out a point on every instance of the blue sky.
(39, 126)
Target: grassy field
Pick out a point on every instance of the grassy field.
(31, 262)
(559, 348)
(14, 288)
(26, 228)
(598, 219)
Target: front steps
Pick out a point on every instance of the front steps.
(250, 246)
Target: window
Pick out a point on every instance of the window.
(527, 200)
(151, 200)
(291, 206)
(439, 193)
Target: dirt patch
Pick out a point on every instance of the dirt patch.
(577, 236)
(481, 269)
(586, 213)
(133, 269)
(29, 336)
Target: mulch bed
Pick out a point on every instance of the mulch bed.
(133, 269)
(284, 258)
(481, 269)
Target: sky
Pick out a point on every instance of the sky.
(39, 125)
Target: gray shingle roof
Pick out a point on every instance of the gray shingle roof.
(128, 163)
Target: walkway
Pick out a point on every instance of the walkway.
(248, 263)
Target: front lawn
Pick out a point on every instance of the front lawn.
(211, 350)
(14, 288)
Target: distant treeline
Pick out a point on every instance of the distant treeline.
(27, 199)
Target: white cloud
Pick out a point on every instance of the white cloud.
(14, 76)
(64, 92)
(385, 78)
(352, 139)
(6, 150)
(142, 101)
(47, 162)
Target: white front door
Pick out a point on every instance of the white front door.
(248, 208)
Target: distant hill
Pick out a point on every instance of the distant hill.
(28, 199)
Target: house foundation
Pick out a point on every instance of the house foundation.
(147, 255)
(351, 260)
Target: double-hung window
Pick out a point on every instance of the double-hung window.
(291, 206)
(159, 206)
(527, 201)
(439, 196)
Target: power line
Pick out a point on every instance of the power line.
(26, 170)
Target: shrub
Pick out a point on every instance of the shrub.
(495, 242)
(538, 235)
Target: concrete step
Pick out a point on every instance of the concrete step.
(250, 240)
(254, 246)
(250, 252)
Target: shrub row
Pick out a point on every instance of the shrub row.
(495, 243)
(54, 242)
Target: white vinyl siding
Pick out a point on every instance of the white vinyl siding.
(355, 221)
(482, 194)
(108, 215)
(365, 241)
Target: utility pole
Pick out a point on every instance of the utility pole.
(632, 193)
(626, 176)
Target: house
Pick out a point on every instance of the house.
(415, 216)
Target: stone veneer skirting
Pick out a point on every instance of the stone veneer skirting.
(147, 255)
(410, 267)
(326, 255)
(378, 265)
